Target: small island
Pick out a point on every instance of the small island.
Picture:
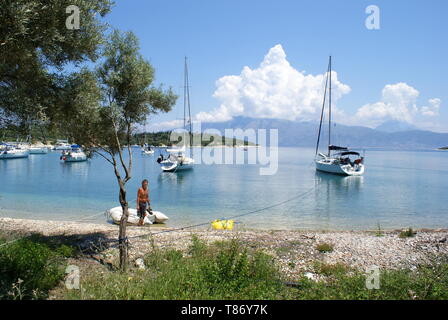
(443, 148)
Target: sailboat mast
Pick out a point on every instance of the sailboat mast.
(322, 112)
(329, 113)
(185, 88)
(187, 105)
(144, 134)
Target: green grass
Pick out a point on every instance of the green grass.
(29, 267)
(324, 247)
(408, 233)
(223, 270)
(32, 266)
(427, 282)
(379, 232)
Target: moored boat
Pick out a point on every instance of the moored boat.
(38, 150)
(338, 160)
(74, 155)
(115, 214)
(177, 159)
(62, 145)
(13, 152)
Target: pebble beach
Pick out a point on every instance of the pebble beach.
(295, 251)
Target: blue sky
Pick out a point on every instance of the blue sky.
(408, 53)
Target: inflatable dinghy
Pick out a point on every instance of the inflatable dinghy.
(115, 215)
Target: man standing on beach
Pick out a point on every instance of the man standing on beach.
(142, 201)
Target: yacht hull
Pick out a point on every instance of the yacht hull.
(38, 150)
(174, 166)
(14, 155)
(336, 168)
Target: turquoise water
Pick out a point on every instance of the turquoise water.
(399, 189)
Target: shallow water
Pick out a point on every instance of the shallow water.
(399, 189)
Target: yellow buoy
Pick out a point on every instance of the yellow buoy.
(223, 224)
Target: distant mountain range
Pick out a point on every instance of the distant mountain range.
(395, 126)
(390, 135)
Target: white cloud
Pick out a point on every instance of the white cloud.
(398, 102)
(166, 125)
(433, 109)
(273, 90)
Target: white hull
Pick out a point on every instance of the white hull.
(38, 150)
(329, 166)
(179, 165)
(148, 152)
(115, 215)
(74, 157)
(62, 148)
(14, 154)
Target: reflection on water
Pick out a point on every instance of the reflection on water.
(173, 177)
(339, 182)
(80, 169)
(413, 195)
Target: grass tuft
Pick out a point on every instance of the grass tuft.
(324, 247)
(408, 233)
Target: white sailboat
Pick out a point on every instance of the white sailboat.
(38, 150)
(74, 155)
(62, 145)
(177, 159)
(338, 160)
(146, 149)
(9, 151)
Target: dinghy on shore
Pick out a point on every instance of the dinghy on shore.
(115, 214)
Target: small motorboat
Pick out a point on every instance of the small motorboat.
(147, 149)
(9, 151)
(115, 214)
(74, 155)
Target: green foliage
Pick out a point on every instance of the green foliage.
(330, 269)
(408, 233)
(324, 247)
(105, 106)
(219, 271)
(427, 282)
(35, 46)
(379, 232)
(228, 270)
(29, 268)
(163, 138)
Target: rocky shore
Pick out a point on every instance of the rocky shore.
(296, 251)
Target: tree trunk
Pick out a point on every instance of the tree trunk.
(122, 239)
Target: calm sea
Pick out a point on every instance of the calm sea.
(399, 189)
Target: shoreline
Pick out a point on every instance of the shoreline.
(295, 251)
(238, 226)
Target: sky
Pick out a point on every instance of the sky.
(268, 59)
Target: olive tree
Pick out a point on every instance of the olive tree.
(103, 109)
